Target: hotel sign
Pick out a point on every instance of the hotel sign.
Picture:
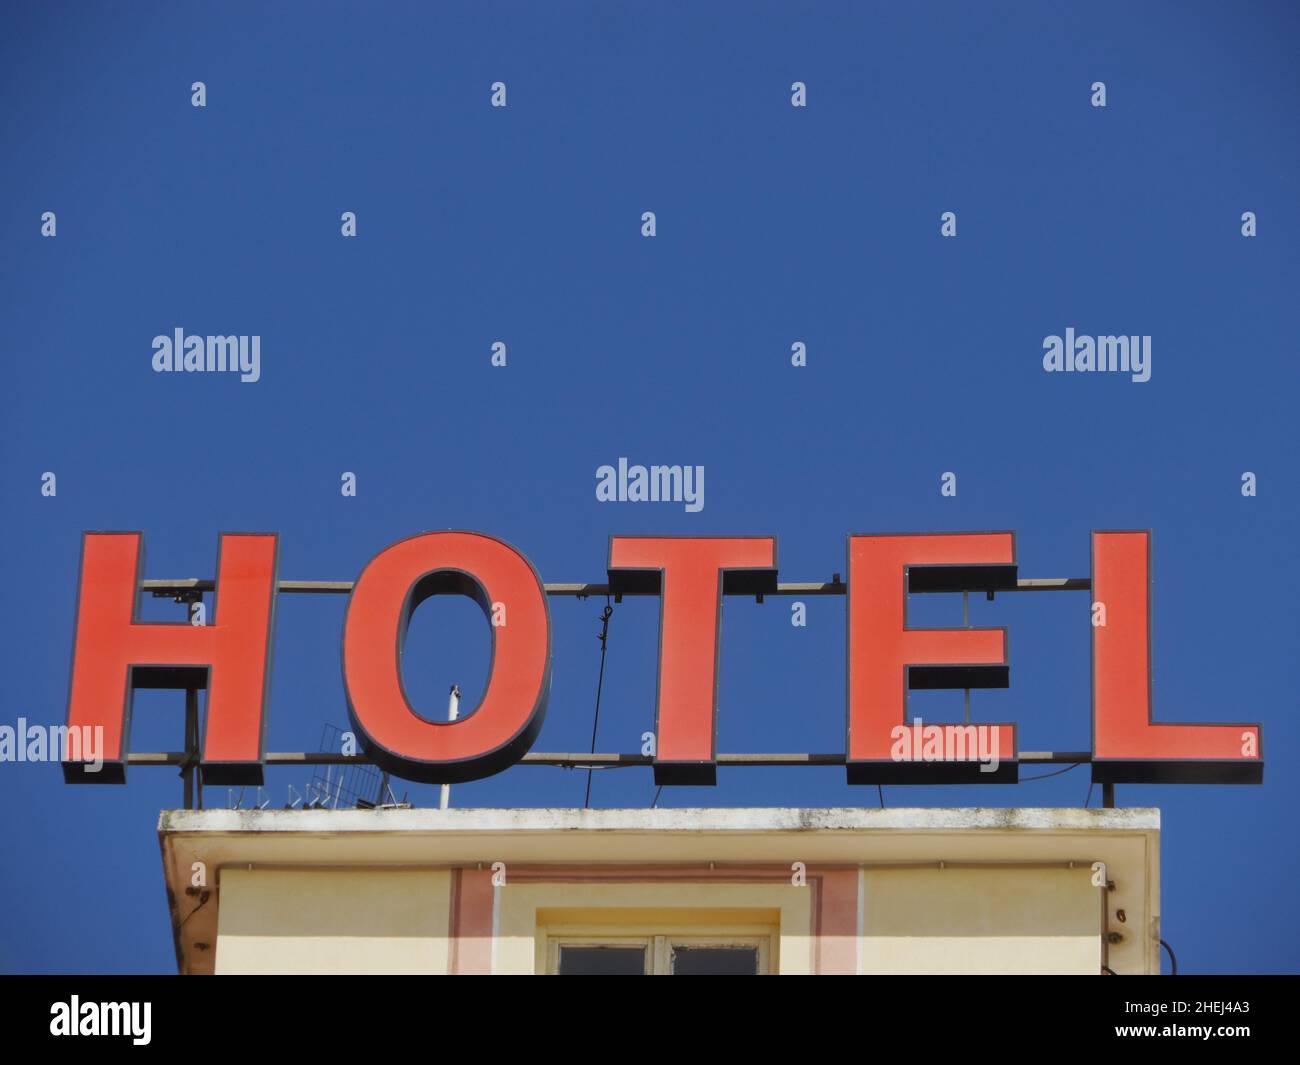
(115, 653)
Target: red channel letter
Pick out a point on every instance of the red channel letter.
(499, 731)
(113, 654)
(1127, 746)
(690, 573)
(886, 658)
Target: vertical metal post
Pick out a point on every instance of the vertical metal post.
(453, 712)
(191, 776)
(1108, 796)
(198, 756)
(191, 744)
(965, 624)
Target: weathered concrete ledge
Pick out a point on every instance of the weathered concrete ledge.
(705, 819)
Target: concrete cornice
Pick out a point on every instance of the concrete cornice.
(705, 819)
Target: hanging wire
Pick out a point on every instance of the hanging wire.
(655, 801)
(204, 897)
(600, 684)
(1053, 773)
(1089, 798)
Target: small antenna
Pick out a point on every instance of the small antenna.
(355, 784)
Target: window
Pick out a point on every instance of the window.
(596, 958)
(658, 955)
(719, 959)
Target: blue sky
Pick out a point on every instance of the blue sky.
(775, 225)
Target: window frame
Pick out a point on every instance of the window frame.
(760, 944)
(555, 943)
(660, 947)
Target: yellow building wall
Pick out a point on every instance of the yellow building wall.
(910, 920)
(312, 921)
(994, 921)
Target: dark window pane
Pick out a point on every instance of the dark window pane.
(715, 961)
(602, 961)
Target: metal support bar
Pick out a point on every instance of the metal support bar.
(581, 761)
(170, 588)
(190, 756)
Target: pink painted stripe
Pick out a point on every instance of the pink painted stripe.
(834, 904)
(835, 922)
(471, 947)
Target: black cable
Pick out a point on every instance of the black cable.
(1053, 773)
(1173, 962)
(203, 901)
(1092, 785)
(600, 684)
(655, 801)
